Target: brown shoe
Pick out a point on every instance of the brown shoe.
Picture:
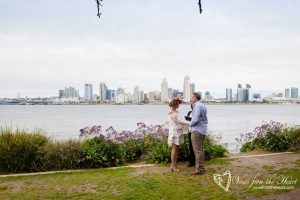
(202, 170)
(197, 172)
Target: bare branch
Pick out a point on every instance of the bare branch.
(98, 6)
(100, 1)
(200, 7)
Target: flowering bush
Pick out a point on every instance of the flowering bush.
(271, 127)
(149, 142)
(134, 144)
(158, 131)
(270, 136)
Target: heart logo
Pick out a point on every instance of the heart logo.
(223, 180)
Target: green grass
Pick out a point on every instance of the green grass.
(271, 170)
(128, 183)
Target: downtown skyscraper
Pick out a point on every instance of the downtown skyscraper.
(102, 91)
(88, 92)
(164, 91)
(186, 89)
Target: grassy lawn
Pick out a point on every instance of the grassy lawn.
(136, 183)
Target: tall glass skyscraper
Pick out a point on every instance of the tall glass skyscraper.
(287, 93)
(186, 89)
(193, 88)
(164, 91)
(229, 94)
(294, 93)
(136, 94)
(88, 92)
(102, 91)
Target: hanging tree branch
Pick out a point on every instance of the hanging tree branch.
(99, 4)
(200, 7)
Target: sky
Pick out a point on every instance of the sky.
(47, 45)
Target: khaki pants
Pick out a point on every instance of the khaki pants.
(198, 146)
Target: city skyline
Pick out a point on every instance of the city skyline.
(103, 88)
(232, 42)
(165, 94)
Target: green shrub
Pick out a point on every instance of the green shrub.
(132, 150)
(184, 150)
(19, 150)
(161, 152)
(294, 135)
(61, 155)
(100, 152)
(248, 146)
(279, 142)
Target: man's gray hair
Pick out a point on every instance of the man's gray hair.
(197, 95)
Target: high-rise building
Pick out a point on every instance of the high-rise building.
(193, 88)
(102, 91)
(164, 91)
(146, 97)
(142, 98)
(207, 96)
(153, 96)
(229, 94)
(61, 93)
(287, 93)
(186, 89)
(71, 92)
(120, 95)
(136, 94)
(244, 94)
(88, 92)
(129, 97)
(110, 95)
(294, 93)
(170, 93)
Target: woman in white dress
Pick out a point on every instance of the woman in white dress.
(177, 126)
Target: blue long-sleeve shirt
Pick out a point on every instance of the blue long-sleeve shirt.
(199, 118)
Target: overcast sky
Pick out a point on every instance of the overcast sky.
(46, 45)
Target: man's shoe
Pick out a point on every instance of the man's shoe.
(196, 172)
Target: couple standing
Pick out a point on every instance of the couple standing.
(197, 127)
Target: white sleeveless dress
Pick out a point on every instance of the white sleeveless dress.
(177, 127)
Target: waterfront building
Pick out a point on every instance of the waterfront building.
(186, 89)
(153, 96)
(142, 98)
(102, 91)
(256, 96)
(61, 93)
(88, 92)
(71, 92)
(294, 93)
(110, 95)
(170, 93)
(136, 94)
(287, 93)
(164, 91)
(193, 88)
(229, 94)
(243, 94)
(208, 96)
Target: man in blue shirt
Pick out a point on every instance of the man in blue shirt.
(198, 128)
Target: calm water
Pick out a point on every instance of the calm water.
(64, 122)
